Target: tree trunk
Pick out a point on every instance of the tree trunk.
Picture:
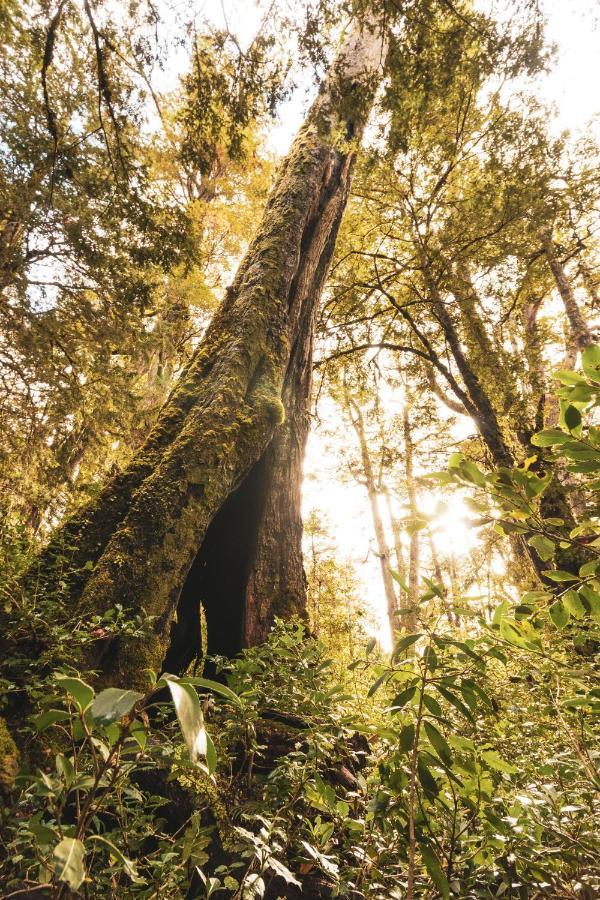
(215, 490)
(397, 535)
(580, 332)
(383, 550)
(589, 281)
(410, 619)
(480, 407)
(484, 357)
(439, 577)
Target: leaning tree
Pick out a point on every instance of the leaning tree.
(207, 514)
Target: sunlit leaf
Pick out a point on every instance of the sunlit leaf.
(112, 704)
(189, 713)
(69, 855)
(81, 692)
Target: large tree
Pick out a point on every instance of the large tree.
(209, 510)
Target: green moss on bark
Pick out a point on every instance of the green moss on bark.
(9, 759)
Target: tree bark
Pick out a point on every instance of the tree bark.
(439, 577)
(197, 514)
(383, 550)
(581, 334)
(590, 282)
(410, 619)
(480, 406)
(485, 358)
(397, 535)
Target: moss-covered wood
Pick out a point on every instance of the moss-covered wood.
(238, 412)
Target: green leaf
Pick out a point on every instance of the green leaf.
(43, 834)
(534, 596)
(589, 568)
(593, 599)
(279, 869)
(407, 738)
(434, 870)
(550, 437)
(428, 782)
(49, 717)
(401, 699)
(543, 546)
(400, 580)
(472, 473)
(128, 865)
(559, 615)
(590, 362)
(454, 701)
(475, 688)
(461, 743)
(500, 611)
(112, 704)
(572, 603)
(189, 713)
(432, 705)
(221, 689)
(569, 378)
(404, 643)
(511, 632)
(69, 854)
(495, 761)
(582, 393)
(535, 485)
(377, 684)
(438, 742)
(559, 575)
(572, 418)
(325, 862)
(81, 692)
(325, 791)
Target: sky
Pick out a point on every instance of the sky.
(572, 87)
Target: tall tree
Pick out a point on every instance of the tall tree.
(116, 234)
(209, 510)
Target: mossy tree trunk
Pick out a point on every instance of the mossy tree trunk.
(209, 509)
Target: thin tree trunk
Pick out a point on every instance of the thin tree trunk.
(397, 536)
(410, 619)
(581, 334)
(383, 550)
(485, 358)
(590, 283)
(189, 521)
(439, 577)
(482, 409)
(537, 381)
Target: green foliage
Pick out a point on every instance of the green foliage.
(568, 558)
(466, 764)
(436, 786)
